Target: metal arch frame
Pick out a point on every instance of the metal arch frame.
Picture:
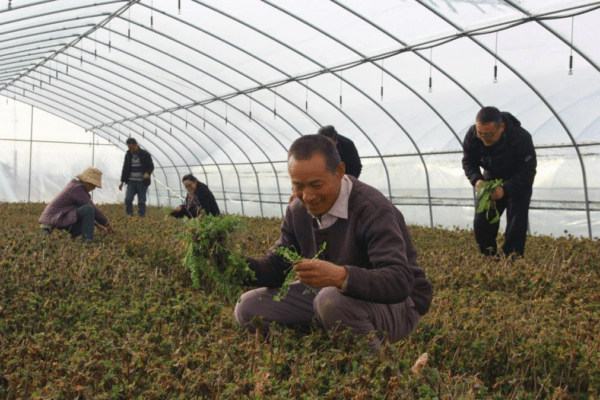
(79, 37)
(47, 108)
(39, 41)
(135, 94)
(256, 175)
(437, 67)
(373, 101)
(241, 73)
(542, 98)
(173, 90)
(95, 110)
(19, 61)
(53, 23)
(236, 70)
(149, 101)
(46, 32)
(37, 48)
(552, 31)
(513, 71)
(211, 94)
(316, 93)
(80, 112)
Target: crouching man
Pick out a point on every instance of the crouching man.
(73, 209)
(367, 278)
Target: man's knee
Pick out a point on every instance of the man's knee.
(87, 209)
(245, 309)
(333, 308)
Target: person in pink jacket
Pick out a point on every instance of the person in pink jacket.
(73, 209)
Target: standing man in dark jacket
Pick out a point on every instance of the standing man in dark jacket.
(346, 148)
(137, 168)
(498, 144)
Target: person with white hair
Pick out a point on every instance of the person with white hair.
(74, 210)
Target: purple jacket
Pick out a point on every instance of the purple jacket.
(373, 244)
(61, 211)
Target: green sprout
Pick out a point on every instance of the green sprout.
(485, 203)
(293, 258)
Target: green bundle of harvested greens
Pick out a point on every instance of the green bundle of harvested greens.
(294, 258)
(211, 257)
(485, 203)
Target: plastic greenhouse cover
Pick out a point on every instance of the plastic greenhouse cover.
(221, 88)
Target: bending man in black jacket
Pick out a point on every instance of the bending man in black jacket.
(498, 144)
(345, 148)
(136, 172)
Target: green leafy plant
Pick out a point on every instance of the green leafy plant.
(211, 256)
(293, 258)
(485, 203)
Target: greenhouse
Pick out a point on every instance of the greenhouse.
(221, 89)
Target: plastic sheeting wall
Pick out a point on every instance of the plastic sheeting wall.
(222, 88)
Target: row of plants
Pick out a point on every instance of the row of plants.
(124, 318)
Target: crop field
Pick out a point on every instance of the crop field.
(119, 318)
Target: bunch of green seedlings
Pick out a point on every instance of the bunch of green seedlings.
(293, 258)
(212, 258)
(485, 203)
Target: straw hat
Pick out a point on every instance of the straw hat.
(91, 175)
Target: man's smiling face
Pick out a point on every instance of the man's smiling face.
(313, 184)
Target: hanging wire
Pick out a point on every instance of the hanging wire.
(571, 56)
(67, 54)
(81, 54)
(10, 4)
(152, 14)
(186, 118)
(109, 35)
(226, 111)
(96, 44)
(179, 6)
(275, 104)
(204, 118)
(341, 72)
(156, 124)
(56, 68)
(306, 104)
(170, 123)
(382, 79)
(250, 109)
(129, 25)
(430, 70)
(143, 126)
(496, 61)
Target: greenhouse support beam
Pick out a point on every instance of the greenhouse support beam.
(552, 31)
(30, 156)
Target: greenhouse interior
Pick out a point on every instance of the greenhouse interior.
(222, 88)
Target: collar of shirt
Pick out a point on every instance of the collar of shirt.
(339, 209)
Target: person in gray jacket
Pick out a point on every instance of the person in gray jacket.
(73, 209)
(367, 278)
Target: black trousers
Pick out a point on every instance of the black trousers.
(517, 211)
(181, 213)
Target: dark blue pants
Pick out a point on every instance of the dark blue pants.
(517, 213)
(84, 225)
(133, 188)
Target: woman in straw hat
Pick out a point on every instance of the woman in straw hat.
(73, 209)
